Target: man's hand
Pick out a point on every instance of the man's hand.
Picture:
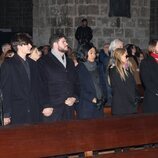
(70, 101)
(47, 111)
(7, 121)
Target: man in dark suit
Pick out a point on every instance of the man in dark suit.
(19, 84)
(59, 80)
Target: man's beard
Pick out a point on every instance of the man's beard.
(63, 50)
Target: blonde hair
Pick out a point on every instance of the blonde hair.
(118, 53)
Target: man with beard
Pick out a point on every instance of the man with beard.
(59, 81)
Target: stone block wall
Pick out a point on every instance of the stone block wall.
(51, 16)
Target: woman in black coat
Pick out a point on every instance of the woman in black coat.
(149, 76)
(123, 84)
(92, 85)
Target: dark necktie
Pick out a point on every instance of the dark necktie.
(62, 58)
(27, 68)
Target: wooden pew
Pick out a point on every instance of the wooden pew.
(60, 138)
(146, 153)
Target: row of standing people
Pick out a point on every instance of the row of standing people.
(46, 88)
(51, 88)
(121, 86)
(143, 67)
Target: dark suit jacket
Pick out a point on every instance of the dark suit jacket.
(58, 82)
(149, 76)
(20, 95)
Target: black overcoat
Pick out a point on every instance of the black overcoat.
(123, 93)
(20, 94)
(85, 108)
(149, 76)
(58, 82)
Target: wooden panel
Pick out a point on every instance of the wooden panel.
(150, 153)
(78, 136)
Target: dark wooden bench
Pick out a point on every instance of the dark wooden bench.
(59, 138)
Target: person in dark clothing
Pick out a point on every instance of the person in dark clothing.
(123, 85)
(104, 58)
(133, 57)
(59, 78)
(92, 83)
(19, 84)
(83, 34)
(149, 75)
(1, 109)
(104, 55)
(132, 51)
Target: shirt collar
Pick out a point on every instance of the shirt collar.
(57, 54)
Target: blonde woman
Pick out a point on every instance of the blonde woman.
(123, 84)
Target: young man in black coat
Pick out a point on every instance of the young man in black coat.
(59, 81)
(19, 84)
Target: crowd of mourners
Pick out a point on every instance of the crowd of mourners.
(56, 82)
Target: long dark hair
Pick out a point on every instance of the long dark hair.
(83, 51)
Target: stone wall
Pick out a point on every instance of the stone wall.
(51, 16)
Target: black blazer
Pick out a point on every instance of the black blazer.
(149, 76)
(20, 94)
(58, 82)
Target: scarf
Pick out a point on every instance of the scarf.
(91, 66)
(155, 56)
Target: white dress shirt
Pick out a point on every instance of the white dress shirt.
(60, 56)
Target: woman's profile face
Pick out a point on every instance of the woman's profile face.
(133, 50)
(91, 55)
(124, 58)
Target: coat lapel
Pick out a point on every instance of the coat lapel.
(55, 60)
(21, 70)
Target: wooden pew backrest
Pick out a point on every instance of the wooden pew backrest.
(75, 136)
